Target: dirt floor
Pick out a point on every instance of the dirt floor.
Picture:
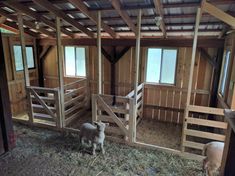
(159, 133)
(44, 152)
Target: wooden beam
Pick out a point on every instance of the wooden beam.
(50, 7)
(82, 7)
(24, 9)
(170, 42)
(206, 56)
(186, 112)
(217, 13)
(117, 6)
(23, 49)
(99, 53)
(159, 10)
(26, 23)
(60, 72)
(136, 73)
(2, 19)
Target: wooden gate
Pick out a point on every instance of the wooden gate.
(119, 116)
(44, 106)
(199, 130)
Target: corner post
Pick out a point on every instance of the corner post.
(60, 72)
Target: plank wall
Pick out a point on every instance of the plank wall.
(15, 79)
(162, 102)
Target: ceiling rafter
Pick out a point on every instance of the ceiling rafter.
(82, 7)
(27, 23)
(145, 6)
(21, 8)
(50, 7)
(159, 10)
(12, 26)
(117, 6)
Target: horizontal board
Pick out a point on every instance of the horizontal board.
(109, 119)
(206, 135)
(208, 123)
(206, 110)
(43, 117)
(194, 145)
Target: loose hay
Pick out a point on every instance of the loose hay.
(44, 152)
(159, 133)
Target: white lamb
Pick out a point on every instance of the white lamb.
(94, 134)
(213, 152)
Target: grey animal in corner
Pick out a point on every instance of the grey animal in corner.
(93, 134)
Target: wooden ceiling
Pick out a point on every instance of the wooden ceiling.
(160, 18)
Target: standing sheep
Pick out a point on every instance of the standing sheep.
(94, 134)
(213, 152)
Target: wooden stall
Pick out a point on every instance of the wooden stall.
(113, 59)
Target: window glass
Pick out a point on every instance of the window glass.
(161, 65)
(225, 73)
(80, 61)
(153, 65)
(75, 61)
(168, 66)
(70, 61)
(19, 60)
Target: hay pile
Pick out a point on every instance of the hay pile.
(43, 152)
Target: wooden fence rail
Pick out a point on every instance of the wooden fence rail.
(44, 105)
(200, 130)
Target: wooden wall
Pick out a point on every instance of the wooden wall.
(162, 102)
(16, 79)
(227, 101)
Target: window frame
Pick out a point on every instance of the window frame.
(176, 66)
(75, 76)
(31, 68)
(228, 74)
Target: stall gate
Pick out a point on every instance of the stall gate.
(204, 124)
(44, 104)
(122, 115)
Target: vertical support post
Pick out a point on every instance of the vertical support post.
(136, 72)
(23, 49)
(29, 105)
(186, 112)
(60, 71)
(132, 116)
(26, 71)
(99, 53)
(94, 108)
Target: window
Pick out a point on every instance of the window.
(18, 57)
(224, 72)
(75, 61)
(161, 65)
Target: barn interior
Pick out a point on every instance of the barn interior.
(160, 72)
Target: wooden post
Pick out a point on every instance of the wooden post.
(94, 108)
(136, 72)
(60, 72)
(99, 53)
(23, 49)
(6, 126)
(186, 112)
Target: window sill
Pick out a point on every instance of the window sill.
(158, 84)
(80, 77)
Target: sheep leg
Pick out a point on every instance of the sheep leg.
(82, 141)
(93, 148)
(102, 148)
